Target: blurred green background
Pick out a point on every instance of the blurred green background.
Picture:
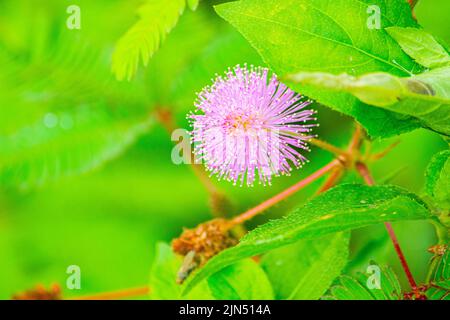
(86, 176)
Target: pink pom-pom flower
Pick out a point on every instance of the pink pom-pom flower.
(251, 125)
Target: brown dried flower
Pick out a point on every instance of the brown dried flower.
(200, 244)
(39, 292)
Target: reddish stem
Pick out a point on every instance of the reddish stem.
(335, 175)
(284, 194)
(365, 173)
(402, 258)
(125, 293)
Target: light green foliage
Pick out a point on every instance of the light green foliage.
(433, 16)
(421, 46)
(356, 288)
(176, 55)
(306, 269)
(329, 36)
(438, 179)
(143, 39)
(342, 208)
(425, 96)
(106, 222)
(163, 277)
(62, 113)
(439, 278)
(244, 280)
(65, 144)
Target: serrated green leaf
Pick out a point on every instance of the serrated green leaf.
(421, 46)
(342, 208)
(156, 19)
(244, 280)
(438, 179)
(163, 277)
(311, 35)
(306, 269)
(356, 288)
(425, 96)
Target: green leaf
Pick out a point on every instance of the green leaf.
(437, 176)
(357, 288)
(156, 19)
(163, 277)
(244, 280)
(421, 46)
(323, 36)
(425, 96)
(306, 269)
(342, 208)
(439, 278)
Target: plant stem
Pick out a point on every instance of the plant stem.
(125, 293)
(335, 175)
(383, 153)
(327, 146)
(412, 3)
(442, 232)
(365, 174)
(284, 194)
(166, 119)
(356, 139)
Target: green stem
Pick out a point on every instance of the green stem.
(442, 231)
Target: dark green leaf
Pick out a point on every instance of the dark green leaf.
(311, 35)
(342, 208)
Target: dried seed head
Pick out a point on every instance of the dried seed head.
(40, 293)
(438, 249)
(206, 240)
